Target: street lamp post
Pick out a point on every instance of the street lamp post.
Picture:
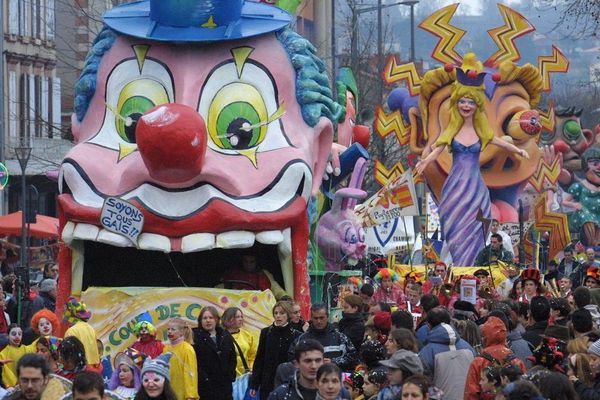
(23, 152)
(411, 3)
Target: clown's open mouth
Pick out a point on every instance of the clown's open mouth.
(191, 237)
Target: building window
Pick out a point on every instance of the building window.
(13, 17)
(13, 103)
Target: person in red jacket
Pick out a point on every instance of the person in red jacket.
(495, 352)
(146, 334)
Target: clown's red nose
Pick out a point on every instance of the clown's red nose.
(172, 141)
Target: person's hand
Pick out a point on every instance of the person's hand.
(252, 392)
(305, 326)
(333, 165)
(420, 167)
(524, 154)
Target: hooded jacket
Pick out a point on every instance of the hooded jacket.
(439, 340)
(338, 348)
(494, 335)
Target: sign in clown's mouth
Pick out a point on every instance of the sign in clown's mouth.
(195, 234)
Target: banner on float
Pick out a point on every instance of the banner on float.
(114, 310)
(498, 272)
(390, 236)
(397, 198)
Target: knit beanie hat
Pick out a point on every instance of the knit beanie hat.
(595, 348)
(158, 365)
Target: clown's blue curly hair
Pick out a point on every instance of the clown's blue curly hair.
(86, 85)
(312, 83)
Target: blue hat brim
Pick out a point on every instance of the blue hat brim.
(133, 19)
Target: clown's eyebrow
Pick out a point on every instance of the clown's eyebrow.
(141, 51)
(240, 56)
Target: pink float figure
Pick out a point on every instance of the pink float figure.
(211, 117)
(340, 236)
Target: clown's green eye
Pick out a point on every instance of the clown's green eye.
(135, 99)
(233, 122)
(237, 117)
(572, 130)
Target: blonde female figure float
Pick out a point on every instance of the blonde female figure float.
(464, 194)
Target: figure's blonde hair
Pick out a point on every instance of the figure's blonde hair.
(480, 121)
(187, 330)
(527, 75)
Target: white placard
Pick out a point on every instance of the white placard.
(122, 217)
(468, 290)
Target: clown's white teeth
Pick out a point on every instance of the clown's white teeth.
(114, 239)
(269, 237)
(198, 242)
(235, 240)
(67, 233)
(151, 241)
(284, 250)
(86, 232)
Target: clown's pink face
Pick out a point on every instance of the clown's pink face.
(209, 142)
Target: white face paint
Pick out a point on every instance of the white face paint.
(153, 384)
(15, 336)
(45, 327)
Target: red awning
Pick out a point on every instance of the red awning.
(45, 227)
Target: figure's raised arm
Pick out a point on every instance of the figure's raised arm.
(422, 164)
(510, 147)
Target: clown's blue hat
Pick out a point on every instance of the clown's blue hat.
(195, 20)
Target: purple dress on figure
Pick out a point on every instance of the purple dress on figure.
(464, 193)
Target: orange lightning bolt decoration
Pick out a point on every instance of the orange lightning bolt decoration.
(392, 123)
(555, 223)
(557, 62)
(515, 26)
(545, 173)
(393, 73)
(384, 175)
(439, 25)
(547, 118)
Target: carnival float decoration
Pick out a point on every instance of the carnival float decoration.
(213, 121)
(569, 139)
(420, 112)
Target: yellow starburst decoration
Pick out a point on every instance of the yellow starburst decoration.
(545, 173)
(385, 124)
(547, 118)
(439, 25)
(393, 73)
(557, 62)
(384, 175)
(515, 26)
(554, 223)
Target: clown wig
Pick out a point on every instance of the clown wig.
(385, 273)
(49, 315)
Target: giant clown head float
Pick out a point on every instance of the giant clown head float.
(212, 118)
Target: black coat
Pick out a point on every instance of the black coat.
(216, 364)
(353, 326)
(273, 346)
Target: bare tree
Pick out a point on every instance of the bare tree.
(578, 19)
